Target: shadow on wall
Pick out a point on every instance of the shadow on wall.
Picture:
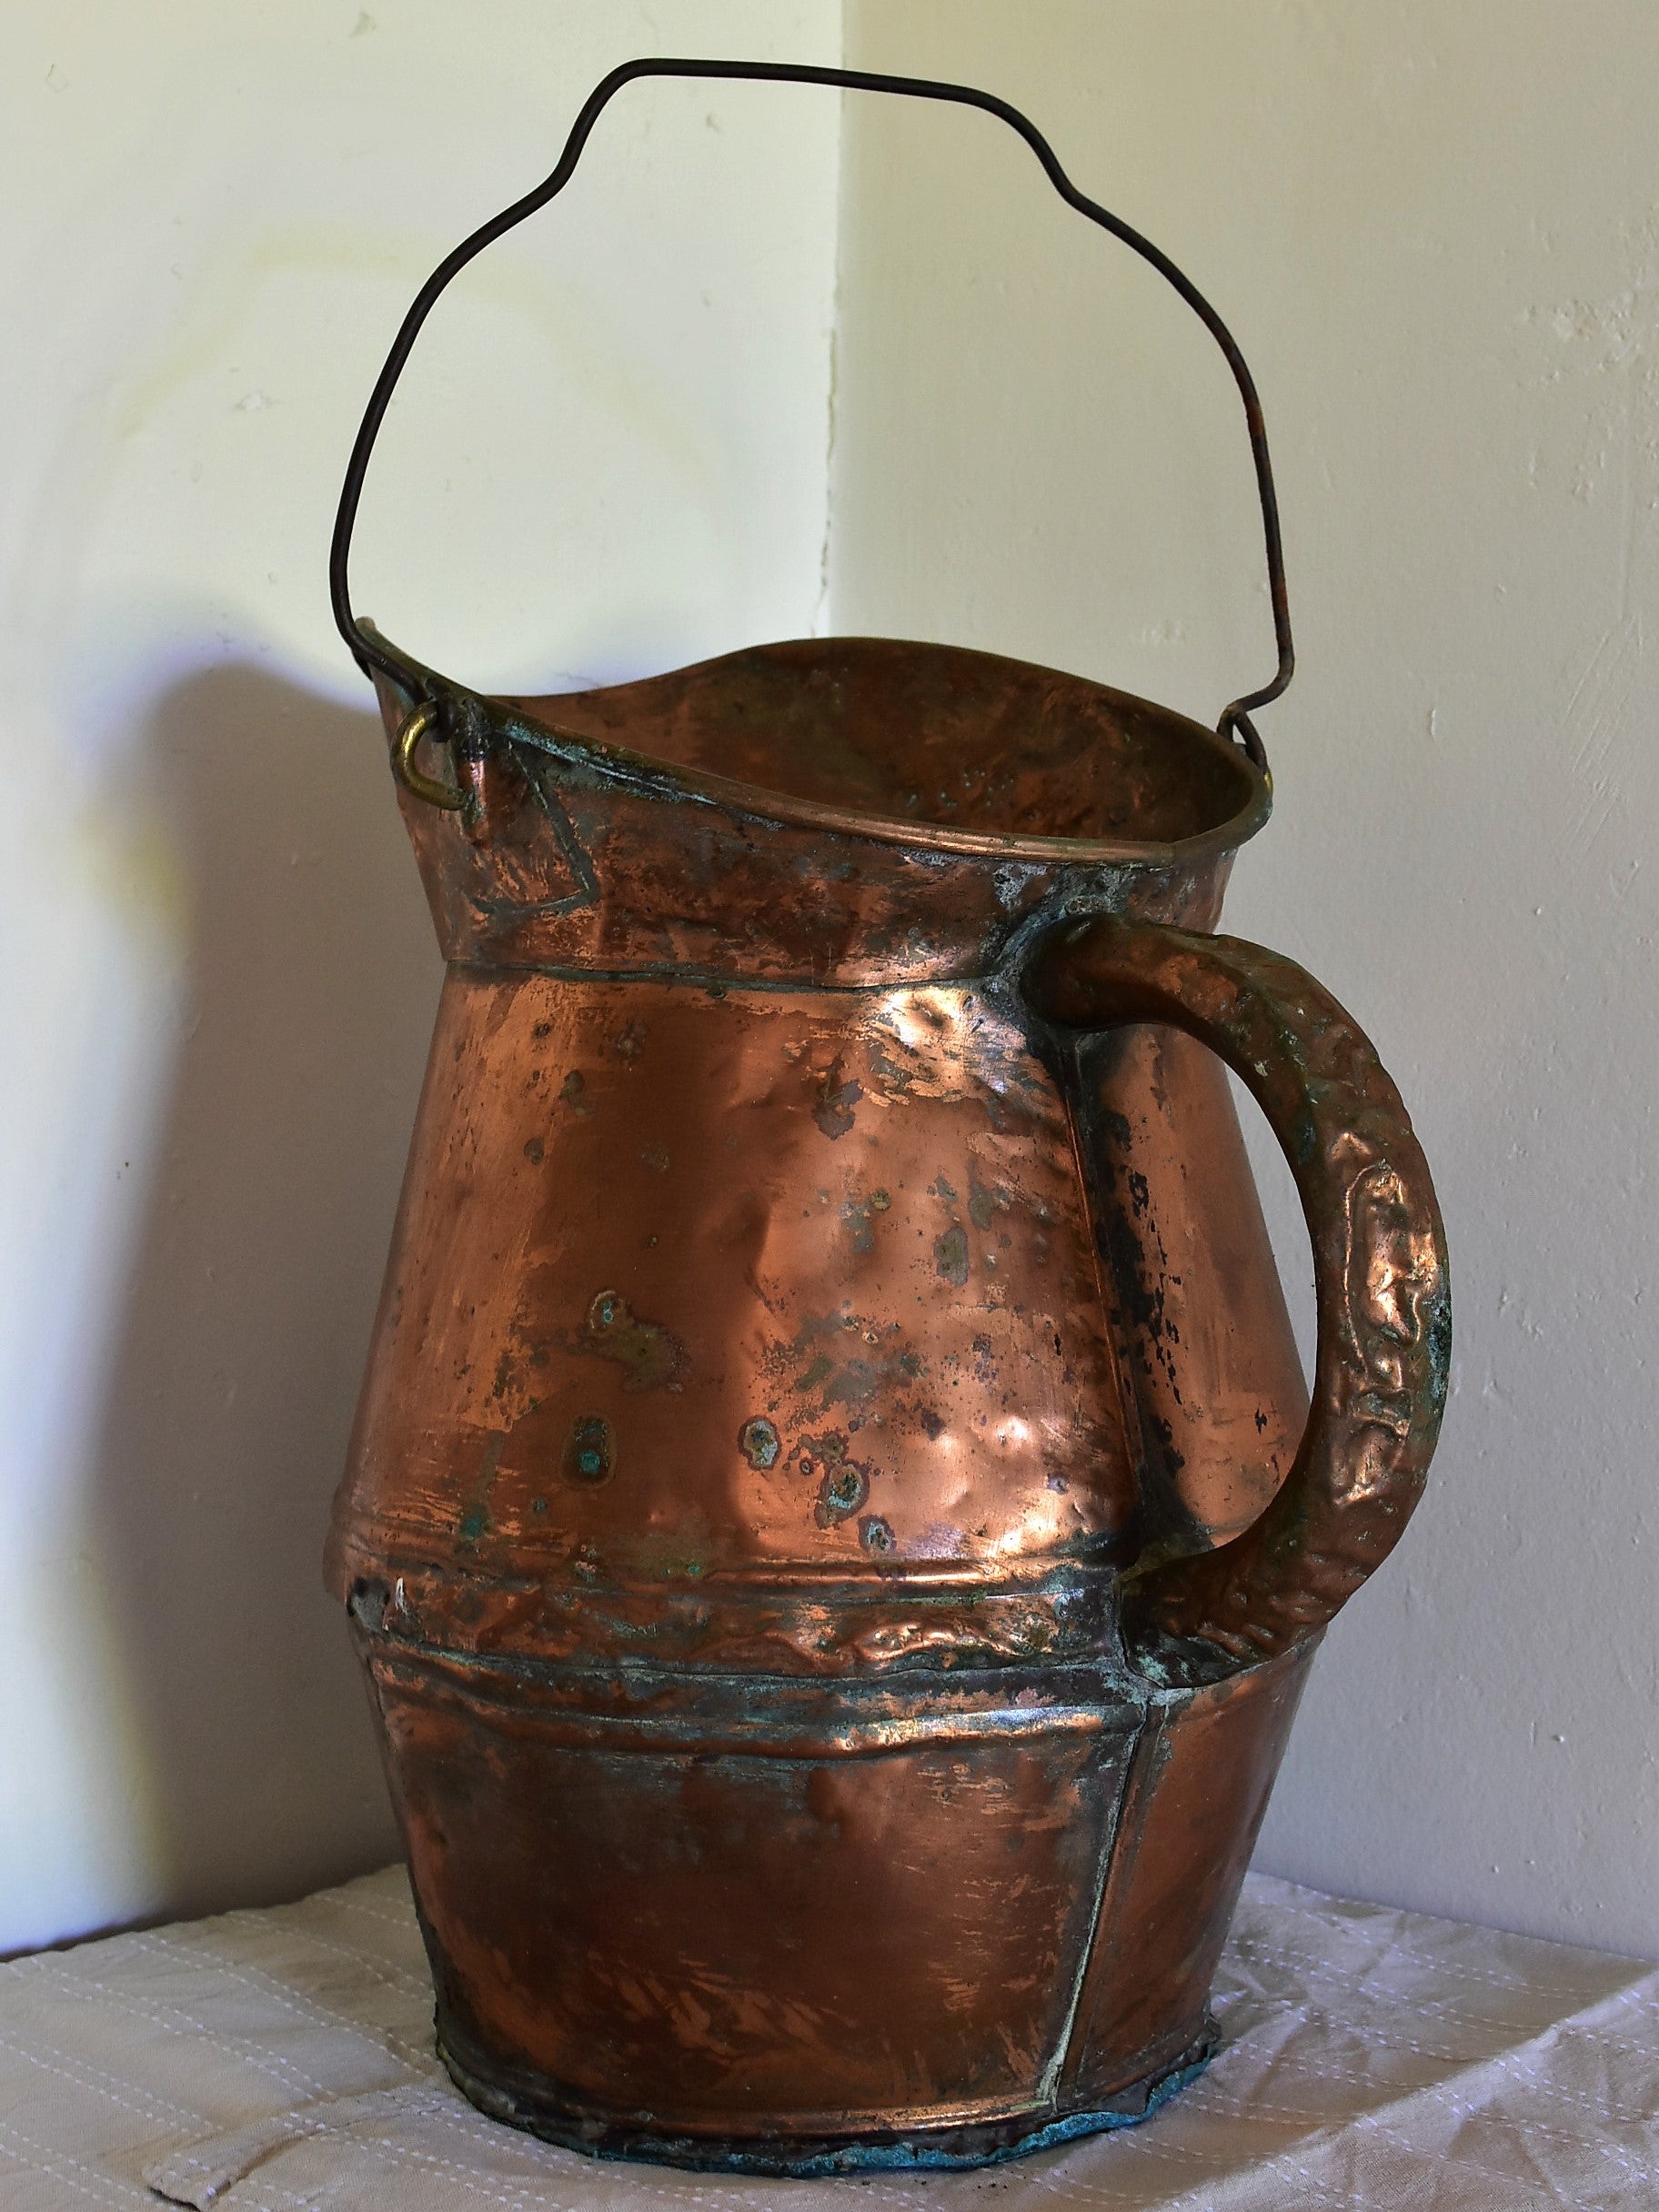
(313, 980)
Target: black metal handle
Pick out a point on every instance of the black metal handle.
(369, 652)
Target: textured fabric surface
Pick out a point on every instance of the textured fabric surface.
(283, 2060)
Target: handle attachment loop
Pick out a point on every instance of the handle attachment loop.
(414, 727)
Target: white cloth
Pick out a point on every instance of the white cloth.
(282, 2061)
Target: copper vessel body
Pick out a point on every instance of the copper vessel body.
(830, 1360)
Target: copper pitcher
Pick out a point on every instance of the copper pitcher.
(834, 1528)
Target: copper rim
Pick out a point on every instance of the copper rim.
(759, 802)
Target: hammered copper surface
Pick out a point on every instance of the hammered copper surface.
(846, 1902)
(829, 1527)
(570, 859)
(1203, 1765)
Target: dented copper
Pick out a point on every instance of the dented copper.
(835, 1527)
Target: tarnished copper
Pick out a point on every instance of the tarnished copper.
(835, 1529)
(825, 1526)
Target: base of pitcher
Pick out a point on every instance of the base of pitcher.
(803, 2158)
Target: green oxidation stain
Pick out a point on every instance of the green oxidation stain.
(843, 1484)
(875, 1534)
(758, 1441)
(474, 1522)
(857, 1216)
(951, 1255)
(649, 1358)
(672, 1557)
(848, 1358)
(819, 1451)
(841, 1492)
(589, 1452)
(941, 1188)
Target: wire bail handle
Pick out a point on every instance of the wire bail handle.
(1235, 718)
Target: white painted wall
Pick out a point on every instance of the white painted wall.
(219, 973)
(1436, 230)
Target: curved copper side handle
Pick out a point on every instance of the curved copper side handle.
(1381, 1287)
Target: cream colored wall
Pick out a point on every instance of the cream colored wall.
(220, 968)
(1436, 230)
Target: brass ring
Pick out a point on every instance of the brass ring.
(415, 724)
